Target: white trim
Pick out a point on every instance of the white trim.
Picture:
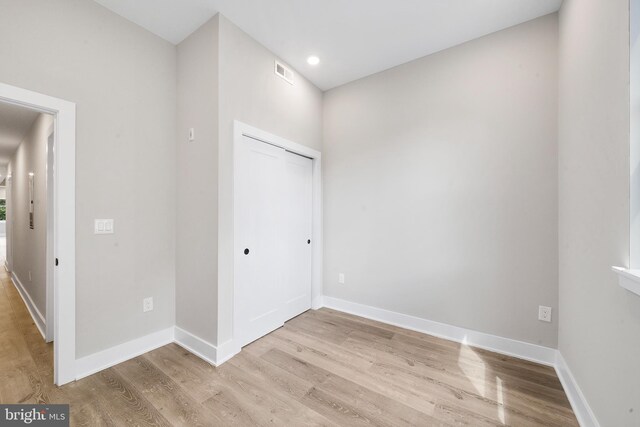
(226, 351)
(522, 350)
(218, 355)
(50, 257)
(38, 318)
(628, 279)
(241, 130)
(507, 346)
(204, 349)
(64, 281)
(8, 261)
(96, 362)
(579, 404)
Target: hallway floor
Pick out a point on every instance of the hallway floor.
(321, 368)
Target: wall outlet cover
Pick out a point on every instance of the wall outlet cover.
(147, 304)
(544, 313)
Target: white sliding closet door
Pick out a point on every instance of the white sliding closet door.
(273, 208)
(259, 273)
(298, 205)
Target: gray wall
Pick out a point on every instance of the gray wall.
(600, 322)
(440, 185)
(29, 246)
(252, 93)
(224, 75)
(197, 192)
(123, 80)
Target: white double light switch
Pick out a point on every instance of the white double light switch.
(103, 226)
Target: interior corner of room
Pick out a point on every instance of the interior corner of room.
(238, 214)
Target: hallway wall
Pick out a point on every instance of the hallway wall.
(28, 245)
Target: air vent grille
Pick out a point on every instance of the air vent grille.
(284, 72)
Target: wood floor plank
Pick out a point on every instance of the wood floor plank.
(123, 402)
(415, 397)
(20, 380)
(192, 373)
(255, 395)
(267, 373)
(165, 394)
(322, 368)
(520, 411)
(345, 401)
(356, 373)
(400, 333)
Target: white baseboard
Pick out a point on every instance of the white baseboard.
(522, 350)
(216, 355)
(318, 302)
(507, 346)
(580, 406)
(38, 318)
(226, 351)
(196, 345)
(96, 362)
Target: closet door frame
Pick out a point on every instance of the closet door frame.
(242, 130)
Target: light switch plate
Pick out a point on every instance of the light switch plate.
(103, 226)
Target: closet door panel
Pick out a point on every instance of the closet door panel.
(259, 245)
(297, 237)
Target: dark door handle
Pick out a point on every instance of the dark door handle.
(308, 242)
(246, 251)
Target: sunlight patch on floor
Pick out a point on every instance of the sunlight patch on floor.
(500, 399)
(475, 375)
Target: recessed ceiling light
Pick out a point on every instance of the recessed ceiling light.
(313, 60)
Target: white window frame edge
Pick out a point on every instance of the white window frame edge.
(64, 280)
(629, 278)
(239, 131)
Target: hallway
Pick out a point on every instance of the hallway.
(26, 361)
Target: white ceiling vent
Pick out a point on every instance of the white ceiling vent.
(284, 72)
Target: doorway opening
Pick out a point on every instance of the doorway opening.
(37, 148)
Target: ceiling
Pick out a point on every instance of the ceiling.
(15, 122)
(352, 38)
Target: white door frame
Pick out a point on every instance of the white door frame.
(50, 252)
(64, 222)
(241, 130)
(8, 261)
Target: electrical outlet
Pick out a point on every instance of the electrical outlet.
(147, 304)
(341, 278)
(544, 313)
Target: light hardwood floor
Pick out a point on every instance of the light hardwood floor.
(321, 368)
